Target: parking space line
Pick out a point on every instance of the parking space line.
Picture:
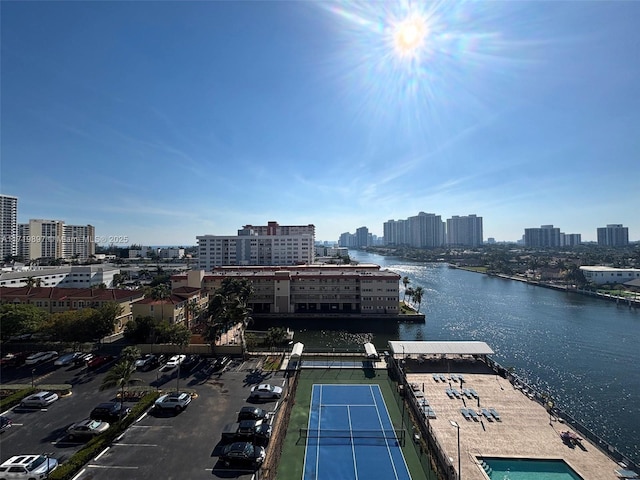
(79, 474)
(121, 467)
(135, 444)
(101, 453)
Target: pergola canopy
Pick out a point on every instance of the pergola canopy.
(370, 350)
(297, 350)
(439, 348)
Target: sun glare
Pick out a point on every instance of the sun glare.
(410, 35)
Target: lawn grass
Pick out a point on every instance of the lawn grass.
(292, 460)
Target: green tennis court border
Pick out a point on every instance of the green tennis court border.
(291, 465)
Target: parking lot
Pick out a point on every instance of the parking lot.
(157, 445)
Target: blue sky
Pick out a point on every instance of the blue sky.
(161, 121)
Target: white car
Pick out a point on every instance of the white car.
(265, 391)
(177, 401)
(28, 467)
(173, 362)
(40, 357)
(39, 400)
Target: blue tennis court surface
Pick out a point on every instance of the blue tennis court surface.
(351, 436)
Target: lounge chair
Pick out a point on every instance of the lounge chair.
(456, 393)
(465, 413)
(429, 412)
(473, 414)
(487, 414)
(460, 377)
(626, 474)
(436, 377)
(495, 414)
(449, 392)
(453, 377)
(442, 378)
(466, 392)
(473, 392)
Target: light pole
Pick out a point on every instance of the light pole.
(455, 424)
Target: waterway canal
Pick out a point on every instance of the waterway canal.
(581, 350)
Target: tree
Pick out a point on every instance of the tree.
(228, 307)
(19, 319)
(119, 376)
(418, 292)
(405, 282)
(140, 329)
(130, 353)
(275, 336)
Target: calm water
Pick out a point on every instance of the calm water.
(581, 350)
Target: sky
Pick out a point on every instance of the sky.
(160, 121)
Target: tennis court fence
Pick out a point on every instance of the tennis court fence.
(314, 433)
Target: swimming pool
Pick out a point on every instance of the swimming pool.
(527, 469)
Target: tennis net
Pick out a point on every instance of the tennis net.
(324, 433)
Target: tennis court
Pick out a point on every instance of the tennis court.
(350, 435)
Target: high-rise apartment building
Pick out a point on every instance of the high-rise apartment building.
(8, 226)
(270, 245)
(420, 231)
(363, 238)
(464, 231)
(545, 236)
(53, 239)
(613, 235)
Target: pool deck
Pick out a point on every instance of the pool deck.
(525, 430)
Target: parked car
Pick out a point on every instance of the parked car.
(147, 362)
(177, 401)
(87, 428)
(14, 359)
(243, 453)
(39, 400)
(252, 413)
(40, 357)
(220, 362)
(66, 359)
(265, 391)
(110, 412)
(256, 431)
(5, 423)
(99, 360)
(173, 362)
(83, 359)
(190, 362)
(28, 467)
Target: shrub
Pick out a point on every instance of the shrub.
(15, 398)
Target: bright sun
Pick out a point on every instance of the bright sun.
(409, 35)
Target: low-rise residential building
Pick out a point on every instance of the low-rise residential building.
(55, 300)
(76, 276)
(361, 289)
(184, 305)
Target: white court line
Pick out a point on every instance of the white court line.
(375, 403)
(353, 445)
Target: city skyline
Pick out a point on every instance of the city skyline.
(161, 121)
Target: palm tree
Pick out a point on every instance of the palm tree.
(417, 296)
(405, 282)
(120, 376)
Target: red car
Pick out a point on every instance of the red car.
(99, 360)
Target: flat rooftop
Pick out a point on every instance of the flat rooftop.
(525, 429)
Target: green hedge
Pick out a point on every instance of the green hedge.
(15, 398)
(73, 465)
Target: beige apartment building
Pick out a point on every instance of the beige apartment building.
(320, 289)
(184, 305)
